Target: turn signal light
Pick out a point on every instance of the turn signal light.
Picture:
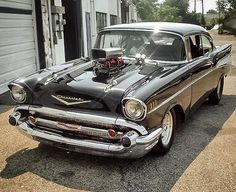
(112, 133)
(32, 120)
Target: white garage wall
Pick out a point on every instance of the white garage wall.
(18, 44)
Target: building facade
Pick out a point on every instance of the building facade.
(35, 34)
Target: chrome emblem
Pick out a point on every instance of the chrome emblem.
(70, 100)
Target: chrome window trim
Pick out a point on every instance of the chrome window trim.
(190, 59)
(211, 42)
(155, 31)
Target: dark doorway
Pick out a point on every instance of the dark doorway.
(73, 31)
(88, 32)
(124, 12)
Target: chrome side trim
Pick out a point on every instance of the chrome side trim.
(178, 92)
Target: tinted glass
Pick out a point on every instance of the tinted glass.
(157, 46)
(206, 44)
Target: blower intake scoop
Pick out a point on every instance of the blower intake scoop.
(107, 61)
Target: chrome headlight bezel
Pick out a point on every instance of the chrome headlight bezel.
(17, 89)
(140, 104)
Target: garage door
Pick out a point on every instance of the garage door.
(17, 40)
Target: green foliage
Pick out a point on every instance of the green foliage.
(232, 4)
(212, 22)
(146, 9)
(167, 11)
(212, 11)
(193, 18)
(182, 6)
(227, 11)
(203, 21)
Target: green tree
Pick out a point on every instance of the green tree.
(193, 18)
(221, 8)
(212, 11)
(232, 4)
(227, 15)
(181, 5)
(146, 9)
(169, 10)
(167, 13)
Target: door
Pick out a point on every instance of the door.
(17, 40)
(88, 33)
(201, 70)
(73, 29)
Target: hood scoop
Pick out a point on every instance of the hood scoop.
(107, 62)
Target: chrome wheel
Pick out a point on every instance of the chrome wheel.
(167, 125)
(215, 97)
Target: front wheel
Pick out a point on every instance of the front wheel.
(167, 137)
(215, 96)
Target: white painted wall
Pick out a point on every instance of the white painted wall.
(133, 16)
(87, 6)
(59, 47)
(92, 6)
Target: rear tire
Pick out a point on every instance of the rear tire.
(215, 97)
(167, 137)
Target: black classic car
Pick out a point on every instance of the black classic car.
(143, 80)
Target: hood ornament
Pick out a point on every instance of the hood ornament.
(70, 100)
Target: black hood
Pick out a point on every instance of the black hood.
(77, 87)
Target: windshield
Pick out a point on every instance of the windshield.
(156, 46)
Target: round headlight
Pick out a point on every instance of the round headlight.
(18, 94)
(134, 109)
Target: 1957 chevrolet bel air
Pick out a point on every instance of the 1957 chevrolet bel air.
(142, 81)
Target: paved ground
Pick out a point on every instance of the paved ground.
(215, 168)
(201, 159)
(26, 166)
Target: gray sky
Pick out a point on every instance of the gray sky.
(208, 4)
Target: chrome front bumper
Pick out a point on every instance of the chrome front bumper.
(140, 144)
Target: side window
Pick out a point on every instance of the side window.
(195, 46)
(206, 45)
(113, 19)
(101, 19)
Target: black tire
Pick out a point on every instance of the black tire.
(162, 147)
(215, 97)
